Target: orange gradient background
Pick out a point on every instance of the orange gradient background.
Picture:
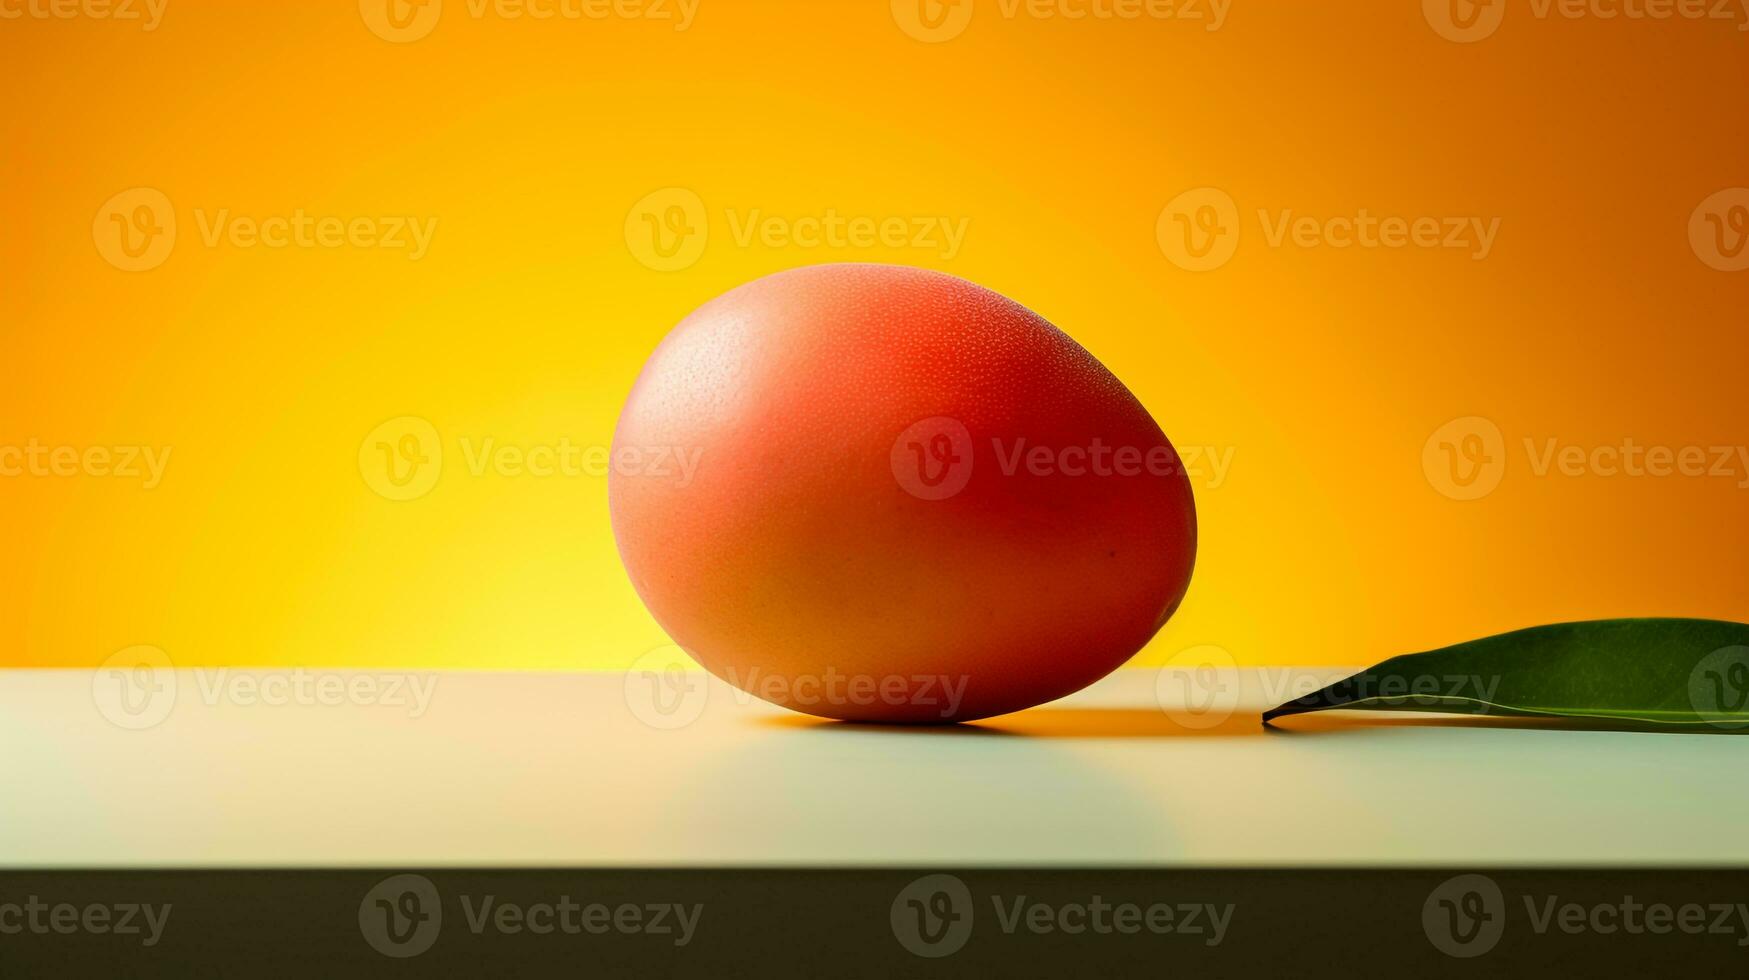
(1058, 141)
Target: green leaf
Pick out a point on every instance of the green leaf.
(1677, 672)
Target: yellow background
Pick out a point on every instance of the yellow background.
(1058, 141)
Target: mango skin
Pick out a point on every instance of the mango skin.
(796, 564)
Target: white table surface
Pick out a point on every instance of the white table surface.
(535, 769)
